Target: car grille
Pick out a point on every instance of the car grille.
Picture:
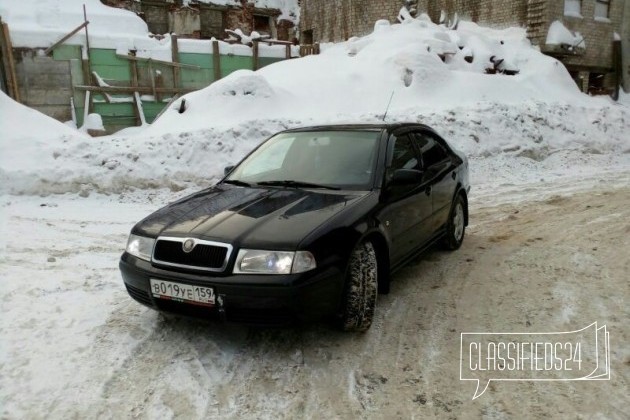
(206, 255)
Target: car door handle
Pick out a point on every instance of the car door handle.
(428, 191)
(453, 175)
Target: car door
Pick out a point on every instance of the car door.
(407, 212)
(439, 175)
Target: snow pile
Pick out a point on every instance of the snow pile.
(427, 67)
(514, 128)
(558, 34)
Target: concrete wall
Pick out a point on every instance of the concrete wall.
(45, 84)
(496, 13)
(338, 20)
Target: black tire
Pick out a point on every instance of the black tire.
(456, 225)
(359, 299)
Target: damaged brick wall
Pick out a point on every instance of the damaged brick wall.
(206, 20)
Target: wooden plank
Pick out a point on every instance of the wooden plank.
(134, 83)
(159, 83)
(175, 59)
(166, 63)
(168, 105)
(216, 60)
(9, 63)
(65, 38)
(287, 54)
(87, 36)
(152, 80)
(130, 90)
(255, 52)
(86, 106)
(138, 102)
(134, 73)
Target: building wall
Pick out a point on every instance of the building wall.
(598, 35)
(337, 20)
(207, 20)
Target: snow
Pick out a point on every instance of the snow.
(526, 118)
(558, 34)
(93, 122)
(68, 202)
(40, 23)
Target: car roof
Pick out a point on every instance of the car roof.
(360, 127)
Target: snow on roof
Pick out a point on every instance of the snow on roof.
(558, 34)
(40, 23)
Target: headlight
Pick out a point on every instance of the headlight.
(140, 247)
(251, 261)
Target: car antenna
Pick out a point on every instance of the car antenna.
(388, 104)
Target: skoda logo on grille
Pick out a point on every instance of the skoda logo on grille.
(188, 245)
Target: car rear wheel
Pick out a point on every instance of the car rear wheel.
(359, 300)
(456, 226)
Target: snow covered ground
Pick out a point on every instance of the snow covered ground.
(543, 158)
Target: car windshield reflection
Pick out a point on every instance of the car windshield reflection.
(313, 159)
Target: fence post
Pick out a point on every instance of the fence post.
(216, 60)
(255, 52)
(9, 63)
(175, 59)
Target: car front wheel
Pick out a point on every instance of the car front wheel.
(359, 299)
(456, 227)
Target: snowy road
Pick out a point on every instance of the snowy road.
(546, 257)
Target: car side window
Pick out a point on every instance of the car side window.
(431, 151)
(404, 155)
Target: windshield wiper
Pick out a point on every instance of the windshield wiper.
(237, 182)
(297, 184)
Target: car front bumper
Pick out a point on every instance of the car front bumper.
(244, 299)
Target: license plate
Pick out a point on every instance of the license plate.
(197, 295)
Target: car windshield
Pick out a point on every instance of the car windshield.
(312, 159)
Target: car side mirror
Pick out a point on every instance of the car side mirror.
(406, 177)
(228, 169)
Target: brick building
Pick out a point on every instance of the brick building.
(597, 68)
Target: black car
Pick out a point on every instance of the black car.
(310, 224)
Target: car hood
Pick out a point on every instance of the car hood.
(267, 218)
